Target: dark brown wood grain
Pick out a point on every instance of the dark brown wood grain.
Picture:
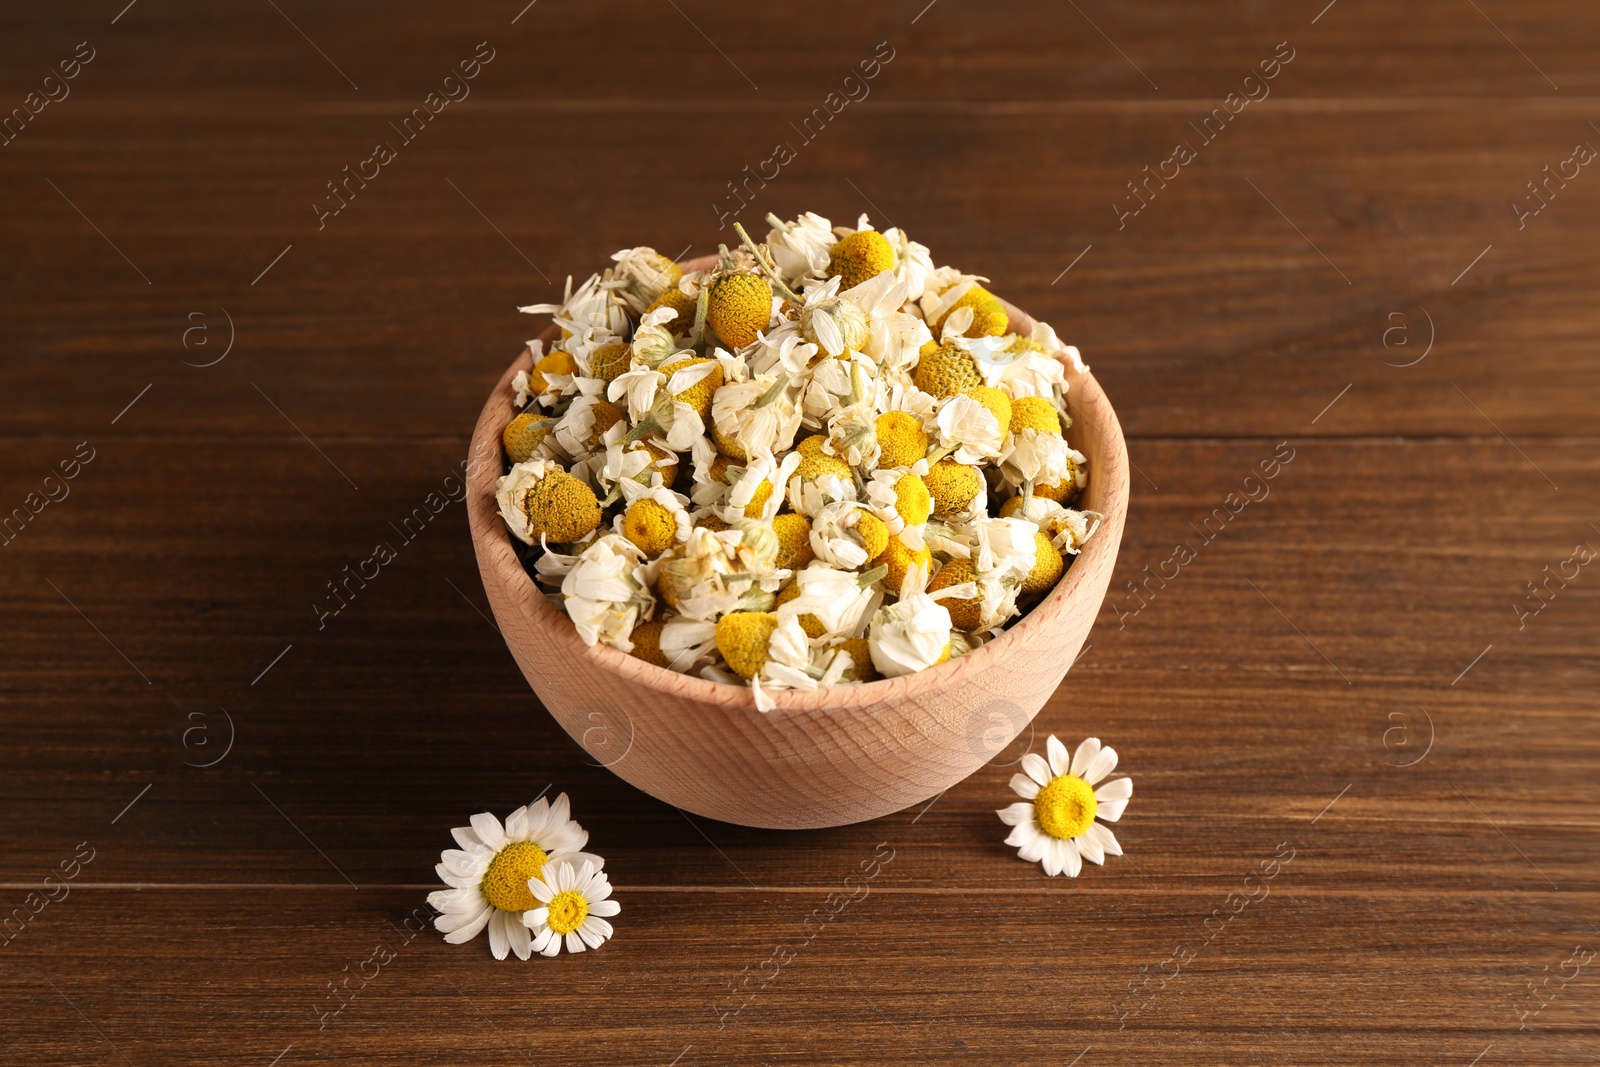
(1351, 668)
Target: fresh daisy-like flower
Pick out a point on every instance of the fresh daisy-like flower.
(572, 907)
(489, 874)
(1055, 822)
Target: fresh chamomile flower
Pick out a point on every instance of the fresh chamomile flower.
(1055, 824)
(572, 908)
(608, 591)
(539, 500)
(489, 874)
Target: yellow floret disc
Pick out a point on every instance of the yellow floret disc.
(948, 370)
(1047, 566)
(989, 318)
(899, 559)
(646, 638)
(650, 526)
(742, 639)
(997, 402)
(901, 439)
(739, 307)
(561, 507)
(1035, 413)
(953, 486)
(860, 256)
(964, 614)
(873, 533)
(505, 882)
(523, 434)
(912, 499)
(794, 540)
(1066, 807)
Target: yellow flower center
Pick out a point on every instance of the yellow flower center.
(505, 883)
(1065, 808)
(568, 909)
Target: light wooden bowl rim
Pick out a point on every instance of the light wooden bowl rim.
(497, 557)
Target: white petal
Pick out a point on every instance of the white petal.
(521, 939)
(1088, 750)
(1101, 765)
(1034, 851)
(1036, 768)
(517, 827)
(561, 810)
(1016, 814)
(1108, 840)
(1060, 762)
(458, 881)
(574, 942)
(548, 943)
(1052, 859)
(542, 891)
(604, 908)
(1116, 789)
(1110, 810)
(458, 921)
(1090, 848)
(536, 918)
(499, 943)
(463, 934)
(1024, 787)
(1073, 862)
(598, 926)
(489, 830)
(590, 936)
(466, 838)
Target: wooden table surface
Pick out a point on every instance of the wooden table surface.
(1381, 671)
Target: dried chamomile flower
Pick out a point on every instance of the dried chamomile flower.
(642, 275)
(900, 497)
(800, 250)
(608, 591)
(646, 640)
(682, 307)
(753, 417)
(818, 480)
(969, 430)
(540, 500)
(913, 265)
(524, 434)
(740, 307)
(860, 256)
(829, 603)
(742, 640)
(794, 540)
(1067, 529)
(955, 488)
(583, 428)
(965, 607)
(655, 519)
(899, 560)
(946, 369)
(845, 534)
(910, 635)
(967, 309)
(901, 439)
(590, 304)
(752, 492)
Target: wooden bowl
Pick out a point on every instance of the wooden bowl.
(825, 757)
